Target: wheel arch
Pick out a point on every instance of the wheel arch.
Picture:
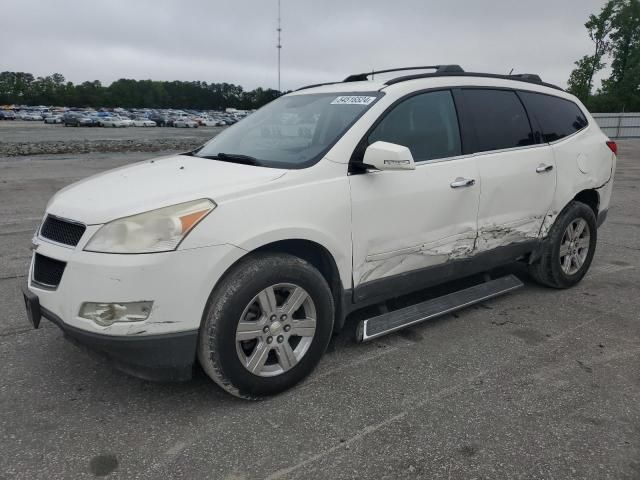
(589, 197)
(317, 255)
(320, 257)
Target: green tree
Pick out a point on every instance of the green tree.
(598, 27)
(615, 32)
(624, 82)
(23, 88)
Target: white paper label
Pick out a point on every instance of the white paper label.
(353, 100)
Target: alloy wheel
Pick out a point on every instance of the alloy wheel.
(276, 330)
(574, 247)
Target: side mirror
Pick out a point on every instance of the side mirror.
(388, 156)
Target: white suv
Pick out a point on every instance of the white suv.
(247, 253)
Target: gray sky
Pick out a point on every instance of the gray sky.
(323, 40)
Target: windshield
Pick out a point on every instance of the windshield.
(292, 131)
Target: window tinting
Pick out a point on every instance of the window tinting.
(426, 124)
(558, 117)
(500, 119)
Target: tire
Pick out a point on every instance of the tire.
(227, 360)
(551, 268)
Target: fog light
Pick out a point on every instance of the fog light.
(109, 313)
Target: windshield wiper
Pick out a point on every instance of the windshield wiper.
(235, 158)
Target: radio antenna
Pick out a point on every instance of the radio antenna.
(279, 46)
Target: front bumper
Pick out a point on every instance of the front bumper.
(162, 347)
(167, 357)
(178, 283)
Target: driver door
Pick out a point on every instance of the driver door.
(406, 223)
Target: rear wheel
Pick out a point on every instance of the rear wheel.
(568, 249)
(266, 325)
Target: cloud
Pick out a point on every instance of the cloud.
(234, 41)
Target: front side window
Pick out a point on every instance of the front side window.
(558, 117)
(292, 131)
(500, 119)
(427, 124)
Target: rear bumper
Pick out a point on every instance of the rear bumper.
(164, 357)
(602, 216)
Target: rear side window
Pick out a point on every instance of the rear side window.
(500, 119)
(558, 118)
(427, 124)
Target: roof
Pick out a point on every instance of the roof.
(359, 82)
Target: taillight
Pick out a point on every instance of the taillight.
(613, 146)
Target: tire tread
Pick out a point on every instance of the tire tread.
(220, 297)
(546, 270)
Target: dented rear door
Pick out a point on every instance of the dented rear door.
(517, 170)
(517, 191)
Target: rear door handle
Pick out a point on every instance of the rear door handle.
(462, 182)
(544, 168)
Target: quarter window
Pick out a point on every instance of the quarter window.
(500, 119)
(558, 117)
(427, 124)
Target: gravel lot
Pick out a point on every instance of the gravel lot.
(536, 384)
(32, 138)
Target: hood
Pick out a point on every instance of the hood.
(155, 184)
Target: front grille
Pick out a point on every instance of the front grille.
(47, 271)
(62, 231)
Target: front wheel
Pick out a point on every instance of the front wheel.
(266, 325)
(568, 249)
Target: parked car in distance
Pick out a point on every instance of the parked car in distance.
(327, 200)
(75, 119)
(211, 122)
(32, 116)
(114, 122)
(7, 115)
(53, 119)
(142, 122)
(184, 123)
(161, 120)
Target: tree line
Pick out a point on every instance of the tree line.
(25, 89)
(615, 33)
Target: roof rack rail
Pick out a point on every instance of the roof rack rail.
(440, 71)
(532, 77)
(360, 77)
(521, 77)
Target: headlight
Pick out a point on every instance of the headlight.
(159, 230)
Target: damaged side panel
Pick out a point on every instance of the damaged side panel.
(577, 171)
(494, 236)
(390, 263)
(409, 220)
(518, 187)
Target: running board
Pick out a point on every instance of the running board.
(405, 317)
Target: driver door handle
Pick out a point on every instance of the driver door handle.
(544, 168)
(463, 182)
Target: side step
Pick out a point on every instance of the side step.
(405, 317)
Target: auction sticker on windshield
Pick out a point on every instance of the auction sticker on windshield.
(353, 100)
